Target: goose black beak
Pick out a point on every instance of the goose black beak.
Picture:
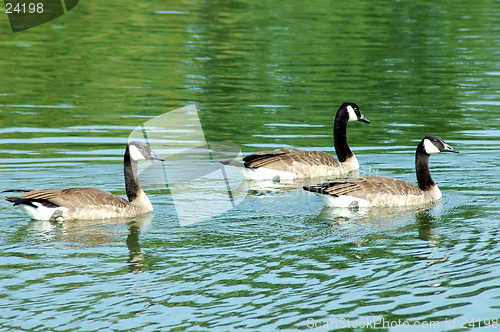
(363, 119)
(154, 156)
(448, 148)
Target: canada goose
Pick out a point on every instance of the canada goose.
(298, 163)
(385, 191)
(90, 203)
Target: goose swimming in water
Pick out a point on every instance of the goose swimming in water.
(90, 203)
(386, 191)
(298, 163)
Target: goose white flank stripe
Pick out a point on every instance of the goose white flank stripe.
(37, 211)
(298, 163)
(385, 191)
(90, 203)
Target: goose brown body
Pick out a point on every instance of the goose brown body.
(301, 163)
(376, 191)
(91, 203)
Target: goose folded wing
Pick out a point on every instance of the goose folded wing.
(334, 188)
(76, 197)
(288, 157)
(363, 187)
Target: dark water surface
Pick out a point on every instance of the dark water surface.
(263, 74)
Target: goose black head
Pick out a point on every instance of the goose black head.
(434, 144)
(353, 113)
(142, 151)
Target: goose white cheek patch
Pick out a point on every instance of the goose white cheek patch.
(430, 148)
(135, 154)
(352, 114)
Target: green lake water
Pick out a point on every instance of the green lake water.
(263, 75)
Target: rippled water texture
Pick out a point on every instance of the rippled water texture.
(263, 75)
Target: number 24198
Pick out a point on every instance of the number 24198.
(21, 8)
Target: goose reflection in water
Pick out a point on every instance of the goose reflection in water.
(91, 233)
(355, 223)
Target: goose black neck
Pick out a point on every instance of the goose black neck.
(424, 178)
(132, 185)
(340, 136)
